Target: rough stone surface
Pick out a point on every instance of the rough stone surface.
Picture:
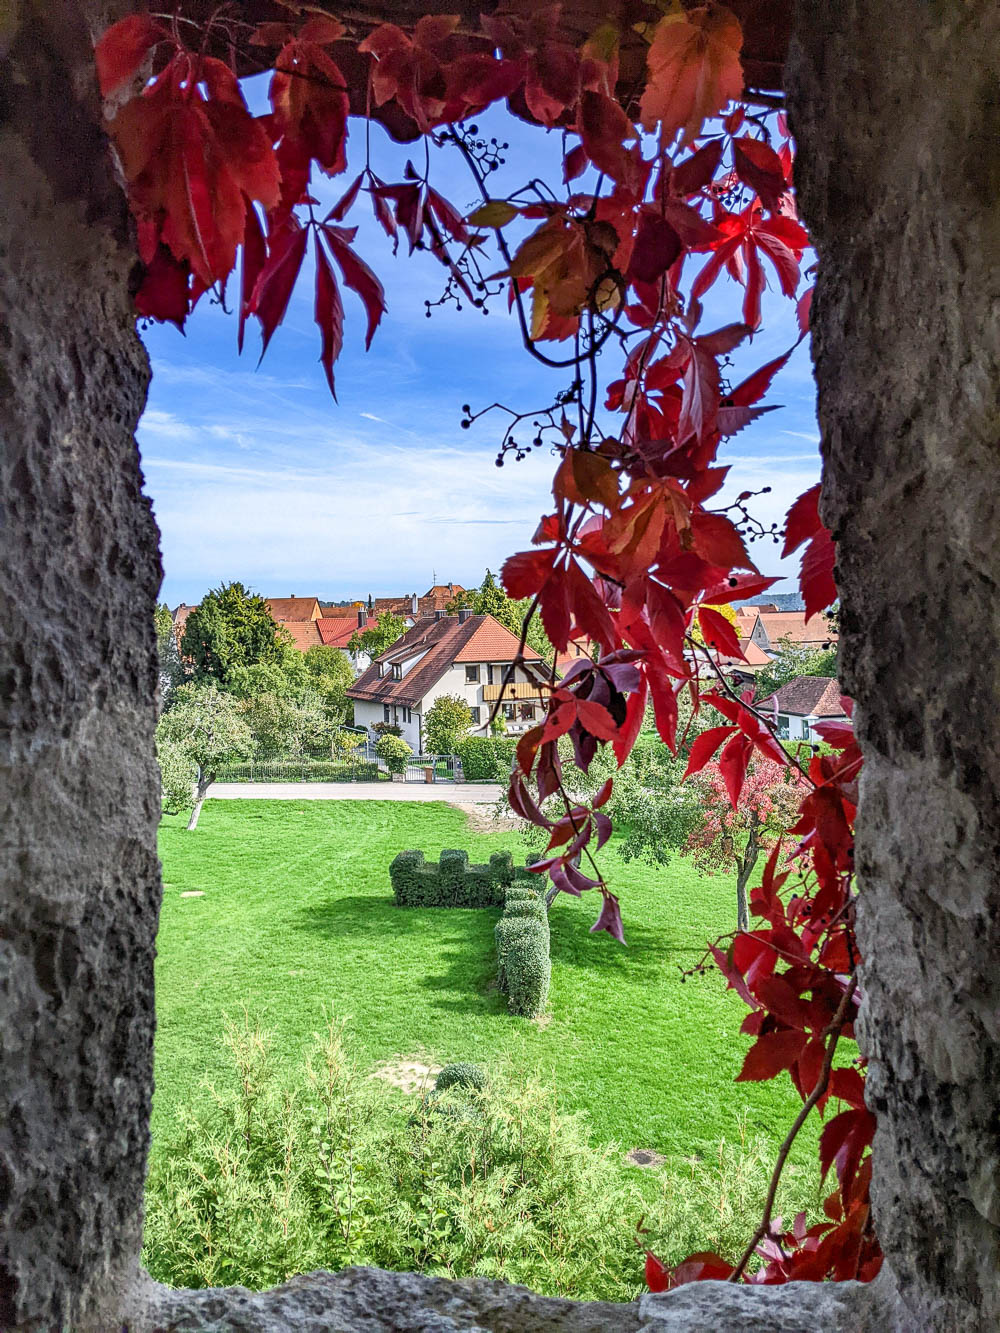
(896, 109)
(79, 573)
(370, 1300)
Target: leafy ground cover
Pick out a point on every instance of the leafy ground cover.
(296, 920)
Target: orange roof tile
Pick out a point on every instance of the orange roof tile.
(293, 608)
(493, 642)
(793, 625)
(304, 633)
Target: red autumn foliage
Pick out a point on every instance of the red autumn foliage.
(632, 555)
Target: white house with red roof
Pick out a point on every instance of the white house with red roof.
(800, 703)
(463, 655)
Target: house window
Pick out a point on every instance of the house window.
(472, 675)
(783, 726)
(407, 715)
(385, 713)
(489, 674)
(397, 671)
(379, 670)
(475, 716)
(527, 713)
(508, 712)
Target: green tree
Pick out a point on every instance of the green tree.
(208, 727)
(330, 674)
(393, 751)
(232, 628)
(288, 725)
(791, 660)
(374, 640)
(170, 666)
(178, 773)
(491, 600)
(445, 723)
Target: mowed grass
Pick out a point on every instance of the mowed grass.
(297, 920)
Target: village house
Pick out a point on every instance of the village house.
(800, 703)
(769, 628)
(463, 655)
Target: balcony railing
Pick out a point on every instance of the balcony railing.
(516, 689)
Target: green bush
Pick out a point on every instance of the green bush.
(298, 770)
(461, 1074)
(453, 882)
(486, 758)
(288, 1168)
(393, 751)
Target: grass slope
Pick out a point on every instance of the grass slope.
(297, 916)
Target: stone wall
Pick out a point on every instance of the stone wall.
(896, 106)
(79, 572)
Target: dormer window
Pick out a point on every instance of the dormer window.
(397, 671)
(380, 669)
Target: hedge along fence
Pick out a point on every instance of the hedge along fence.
(299, 770)
(486, 758)
(522, 934)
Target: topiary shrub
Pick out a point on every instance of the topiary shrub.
(394, 752)
(461, 1075)
(453, 882)
(527, 966)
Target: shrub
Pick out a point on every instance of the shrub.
(293, 1168)
(298, 770)
(461, 1075)
(453, 882)
(528, 968)
(445, 723)
(393, 751)
(486, 758)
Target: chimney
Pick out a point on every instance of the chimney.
(451, 589)
(464, 613)
(439, 614)
(414, 604)
(362, 617)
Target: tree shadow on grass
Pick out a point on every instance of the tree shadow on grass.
(459, 940)
(647, 948)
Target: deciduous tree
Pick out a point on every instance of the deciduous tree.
(445, 723)
(207, 727)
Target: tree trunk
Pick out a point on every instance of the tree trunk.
(205, 781)
(79, 573)
(895, 108)
(744, 869)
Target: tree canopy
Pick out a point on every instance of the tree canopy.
(231, 629)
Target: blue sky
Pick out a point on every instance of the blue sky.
(258, 475)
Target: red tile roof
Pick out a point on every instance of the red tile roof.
(807, 696)
(304, 633)
(442, 642)
(293, 608)
(793, 625)
(753, 656)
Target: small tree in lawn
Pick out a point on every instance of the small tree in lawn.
(178, 773)
(732, 839)
(374, 640)
(445, 723)
(208, 727)
(170, 666)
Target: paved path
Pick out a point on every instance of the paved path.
(455, 793)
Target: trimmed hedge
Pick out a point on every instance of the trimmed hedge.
(524, 967)
(486, 758)
(453, 882)
(297, 770)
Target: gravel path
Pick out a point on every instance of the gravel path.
(462, 793)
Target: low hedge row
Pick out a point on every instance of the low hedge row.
(453, 882)
(297, 770)
(524, 966)
(486, 758)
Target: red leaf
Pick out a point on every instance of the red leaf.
(770, 1054)
(164, 291)
(254, 258)
(123, 48)
(526, 573)
(697, 171)
(719, 633)
(657, 1278)
(597, 720)
(603, 126)
(329, 314)
(706, 1266)
(760, 167)
(703, 747)
(274, 285)
(754, 387)
(700, 402)
(717, 541)
(736, 587)
(843, 1141)
(802, 522)
(816, 576)
(340, 209)
(694, 69)
(635, 712)
(574, 163)
(733, 765)
(358, 276)
(803, 310)
(848, 1085)
(657, 246)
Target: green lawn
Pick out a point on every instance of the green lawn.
(297, 917)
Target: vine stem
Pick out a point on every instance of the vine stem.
(764, 1226)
